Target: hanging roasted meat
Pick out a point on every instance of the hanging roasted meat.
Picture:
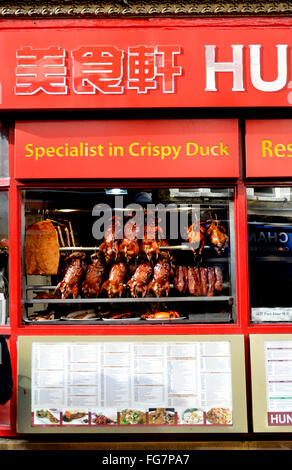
(69, 286)
(109, 248)
(160, 282)
(114, 285)
(129, 246)
(196, 237)
(152, 234)
(41, 249)
(168, 256)
(211, 282)
(218, 279)
(217, 235)
(149, 245)
(93, 277)
(181, 279)
(163, 253)
(194, 281)
(204, 280)
(140, 279)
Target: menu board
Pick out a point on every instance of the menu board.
(278, 364)
(272, 373)
(142, 384)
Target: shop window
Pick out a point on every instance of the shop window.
(270, 253)
(4, 250)
(4, 166)
(5, 409)
(128, 255)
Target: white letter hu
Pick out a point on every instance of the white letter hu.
(235, 67)
(255, 68)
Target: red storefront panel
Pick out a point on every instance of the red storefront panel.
(145, 66)
(269, 148)
(127, 149)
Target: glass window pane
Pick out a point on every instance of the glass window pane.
(4, 161)
(4, 251)
(270, 253)
(5, 409)
(132, 254)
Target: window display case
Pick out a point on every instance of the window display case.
(143, 255)
(270, 249)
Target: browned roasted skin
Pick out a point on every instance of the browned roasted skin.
(217, 235)
(149, 245)
(168, 256)
(41, 249)
(160, 282)
(117, 316)
(129, 246)
(139, 281)
(69, 285)
(152, 232)
(185, 272)
(115, 283)
(218, 279)
(204, 280)
(161, 315)
(110, 245)
(48, 295)
(93, 278)
(179, 279)
(211, 282)
(196, 237)
(194, 281)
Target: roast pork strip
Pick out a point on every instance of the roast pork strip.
(211, 282)
(194, 281)
(218, 279)
(204, 281)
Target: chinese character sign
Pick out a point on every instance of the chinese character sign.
(41, 70)
(96, 69)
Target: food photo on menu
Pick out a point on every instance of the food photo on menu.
(47, 417)
(132, 416)
(191, 416)
(104, 417)
(219, 416)
(162, 416)
(75, 417)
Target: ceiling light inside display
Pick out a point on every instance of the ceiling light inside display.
(116, 191)
(66, 210)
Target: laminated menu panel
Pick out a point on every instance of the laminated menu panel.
(137, 384)
(271, 368)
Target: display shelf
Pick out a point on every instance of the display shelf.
(192, 318)
(182, 247)
(219, 298)
(44, 288)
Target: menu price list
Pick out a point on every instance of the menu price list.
(131, 383)
(278, 364)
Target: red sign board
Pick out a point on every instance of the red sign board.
(127, 149)
(145, 65)
(269, 148)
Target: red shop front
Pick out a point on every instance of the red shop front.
(146, 277)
